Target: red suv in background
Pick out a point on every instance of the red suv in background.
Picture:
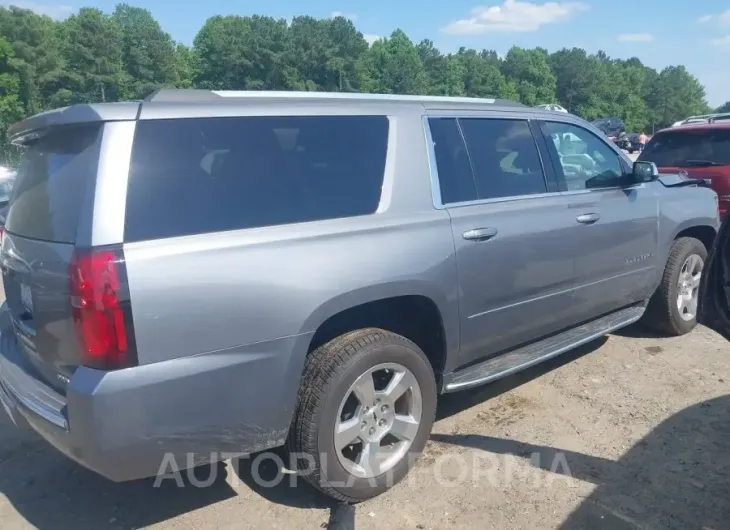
(702, 150)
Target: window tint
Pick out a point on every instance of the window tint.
(585, 160)
(51, 183)
(504, 156)
(454, 169)
(699, 148)
(194, 176)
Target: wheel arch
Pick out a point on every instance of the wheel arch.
(412, 309)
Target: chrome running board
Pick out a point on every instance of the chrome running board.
(537, 352)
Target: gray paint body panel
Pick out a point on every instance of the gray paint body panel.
(223, 322)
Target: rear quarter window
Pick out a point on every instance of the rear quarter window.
(51, 183)
(203, 175)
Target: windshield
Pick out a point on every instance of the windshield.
(704, 147)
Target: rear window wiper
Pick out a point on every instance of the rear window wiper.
(698, 163)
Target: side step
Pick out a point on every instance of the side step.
(537, 352)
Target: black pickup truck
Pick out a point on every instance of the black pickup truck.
(612, 127)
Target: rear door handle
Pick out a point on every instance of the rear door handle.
(479, 234)
(588, 218)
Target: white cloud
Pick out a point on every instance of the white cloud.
(371, 38)
(55, 11)
(635, 37)
(723, 43)
(351, 16)
(514, 15)
(720, 19)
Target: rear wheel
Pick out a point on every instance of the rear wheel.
(365, 411)
(673, 308)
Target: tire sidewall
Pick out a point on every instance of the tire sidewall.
(693, 246)
(333, 473)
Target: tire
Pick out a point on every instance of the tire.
(663, 313)
(329, 375)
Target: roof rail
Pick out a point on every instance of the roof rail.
(187, 95)
(706, 118)
(720, 116)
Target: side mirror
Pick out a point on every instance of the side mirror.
(644, 172)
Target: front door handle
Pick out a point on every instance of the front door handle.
(480, 234)
(588, 218)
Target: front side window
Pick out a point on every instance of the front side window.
(196, 176)
(585, 161)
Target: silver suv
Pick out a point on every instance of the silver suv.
(218, 273)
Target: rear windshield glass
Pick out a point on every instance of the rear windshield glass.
(195, 176)
(51, 183)
(708, 147)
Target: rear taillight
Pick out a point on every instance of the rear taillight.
(101, 308)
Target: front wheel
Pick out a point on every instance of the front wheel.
(673, 308)
(365, 411)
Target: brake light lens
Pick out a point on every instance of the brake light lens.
(101, 309)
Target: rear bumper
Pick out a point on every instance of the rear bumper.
(128, 424)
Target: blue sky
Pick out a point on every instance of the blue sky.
(659, 32)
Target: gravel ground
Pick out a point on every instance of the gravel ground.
(630, 431)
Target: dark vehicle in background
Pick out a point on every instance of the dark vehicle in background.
(628, 142)
(702, 151)
(611, 127)
(714, 298)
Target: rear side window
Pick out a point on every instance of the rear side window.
(196, 176)
(51, 183)
(505, 157)
(687, 148)
(456, 179)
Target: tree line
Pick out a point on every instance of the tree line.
(93, 56)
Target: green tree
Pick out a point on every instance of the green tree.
(93, 46)
(725, 107)
(675, 94)
(397, 67)
(324, 54)
(148, 52)
(36, 46)
(530, 71)
(578, 78)
(93, 57)
(482, 77)
(244, 53)
(446, 74)
(11, 108)
(186, 65)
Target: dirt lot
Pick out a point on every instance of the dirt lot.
(631, 431)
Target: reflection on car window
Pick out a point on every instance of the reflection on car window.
(504, 156)
(587, 162)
